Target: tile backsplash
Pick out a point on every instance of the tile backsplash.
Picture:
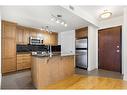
(28, 48)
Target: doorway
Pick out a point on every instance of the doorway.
(109, 49)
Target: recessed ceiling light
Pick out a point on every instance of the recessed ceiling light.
(106, 14)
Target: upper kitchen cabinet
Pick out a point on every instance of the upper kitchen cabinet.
(26, 34)
(33, 32)
(46, 40)
(81, 33)
(54, 39)
(19, 35)
(50, 38)
(40, 34)
(68, 43)
(8, 29)
(22, 35)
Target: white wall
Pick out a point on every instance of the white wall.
(68, 43)
(92, 47)
(124, 45)
(116, 21)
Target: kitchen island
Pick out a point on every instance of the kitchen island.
(49, 70)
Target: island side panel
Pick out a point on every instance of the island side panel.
(51, 70)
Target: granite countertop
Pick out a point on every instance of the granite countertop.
(23, 52)
(53, 54)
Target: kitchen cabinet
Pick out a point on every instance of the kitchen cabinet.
(23, 61)
(50, 38)
(40, 34)
(46, 40)
(81, 33)
(8, 64)
(26, 34)
(8, 46)
(68, 43)
(54, 39)
(46, 70)
(22, 35)
(33, 33)
(19, 35)
(8, 29)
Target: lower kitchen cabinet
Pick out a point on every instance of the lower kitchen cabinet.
(23, 61)
(8, 65)
(46, 70)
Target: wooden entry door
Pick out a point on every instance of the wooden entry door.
(110, 49)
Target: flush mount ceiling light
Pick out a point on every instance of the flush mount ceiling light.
(105, 14)
(58, 19)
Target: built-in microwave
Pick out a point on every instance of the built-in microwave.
(35, 40)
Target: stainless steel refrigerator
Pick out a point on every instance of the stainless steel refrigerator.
(82, 53)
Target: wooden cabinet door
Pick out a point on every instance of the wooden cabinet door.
(8, 30)
(8, 64)
(26, 35)
(54, 39)
(33, 33)
(81, 33)
(46, 40)
(40, 34)
(19, 37)
(8, 48)
(23, 61)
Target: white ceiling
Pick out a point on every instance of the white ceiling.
(39, 16)
(97, 10)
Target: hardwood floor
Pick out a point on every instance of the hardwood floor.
(89, 82)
